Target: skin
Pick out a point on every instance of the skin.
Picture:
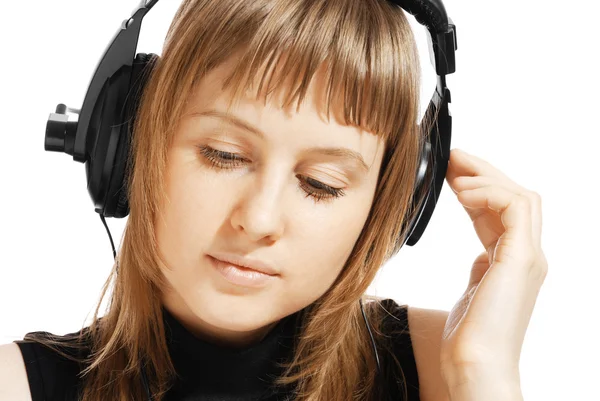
(259, 209)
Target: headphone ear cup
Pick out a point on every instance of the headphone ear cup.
(422, 192)
(421, 189)
(437, 154)
(142, 66)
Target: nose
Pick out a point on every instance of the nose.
(258, 213)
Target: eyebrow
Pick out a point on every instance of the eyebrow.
(245, 125)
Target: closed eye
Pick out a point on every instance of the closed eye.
(227, 161)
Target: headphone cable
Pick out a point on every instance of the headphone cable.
(112, 244)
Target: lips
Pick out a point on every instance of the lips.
(245, 263)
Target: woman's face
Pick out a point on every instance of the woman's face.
(257, 205)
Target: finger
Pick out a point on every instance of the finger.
(464, 183)
(536, 216)
(462, 163)
(514, 209)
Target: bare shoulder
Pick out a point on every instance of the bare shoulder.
(14, 385)
(426, 327)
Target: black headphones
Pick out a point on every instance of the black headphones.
(101, 136)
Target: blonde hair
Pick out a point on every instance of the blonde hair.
(372, 68)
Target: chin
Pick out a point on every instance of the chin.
(232, 312)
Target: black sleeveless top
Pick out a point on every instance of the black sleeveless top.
(208, 372)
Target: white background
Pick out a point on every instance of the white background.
(524, 97)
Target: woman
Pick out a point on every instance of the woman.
(229, 166)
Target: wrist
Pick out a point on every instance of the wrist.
(477, 385)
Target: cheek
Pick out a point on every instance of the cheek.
(326, 245)
(334, 234)
(187, 222)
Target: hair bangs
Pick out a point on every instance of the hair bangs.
(348, 48)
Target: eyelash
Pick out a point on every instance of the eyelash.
(228, 161)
